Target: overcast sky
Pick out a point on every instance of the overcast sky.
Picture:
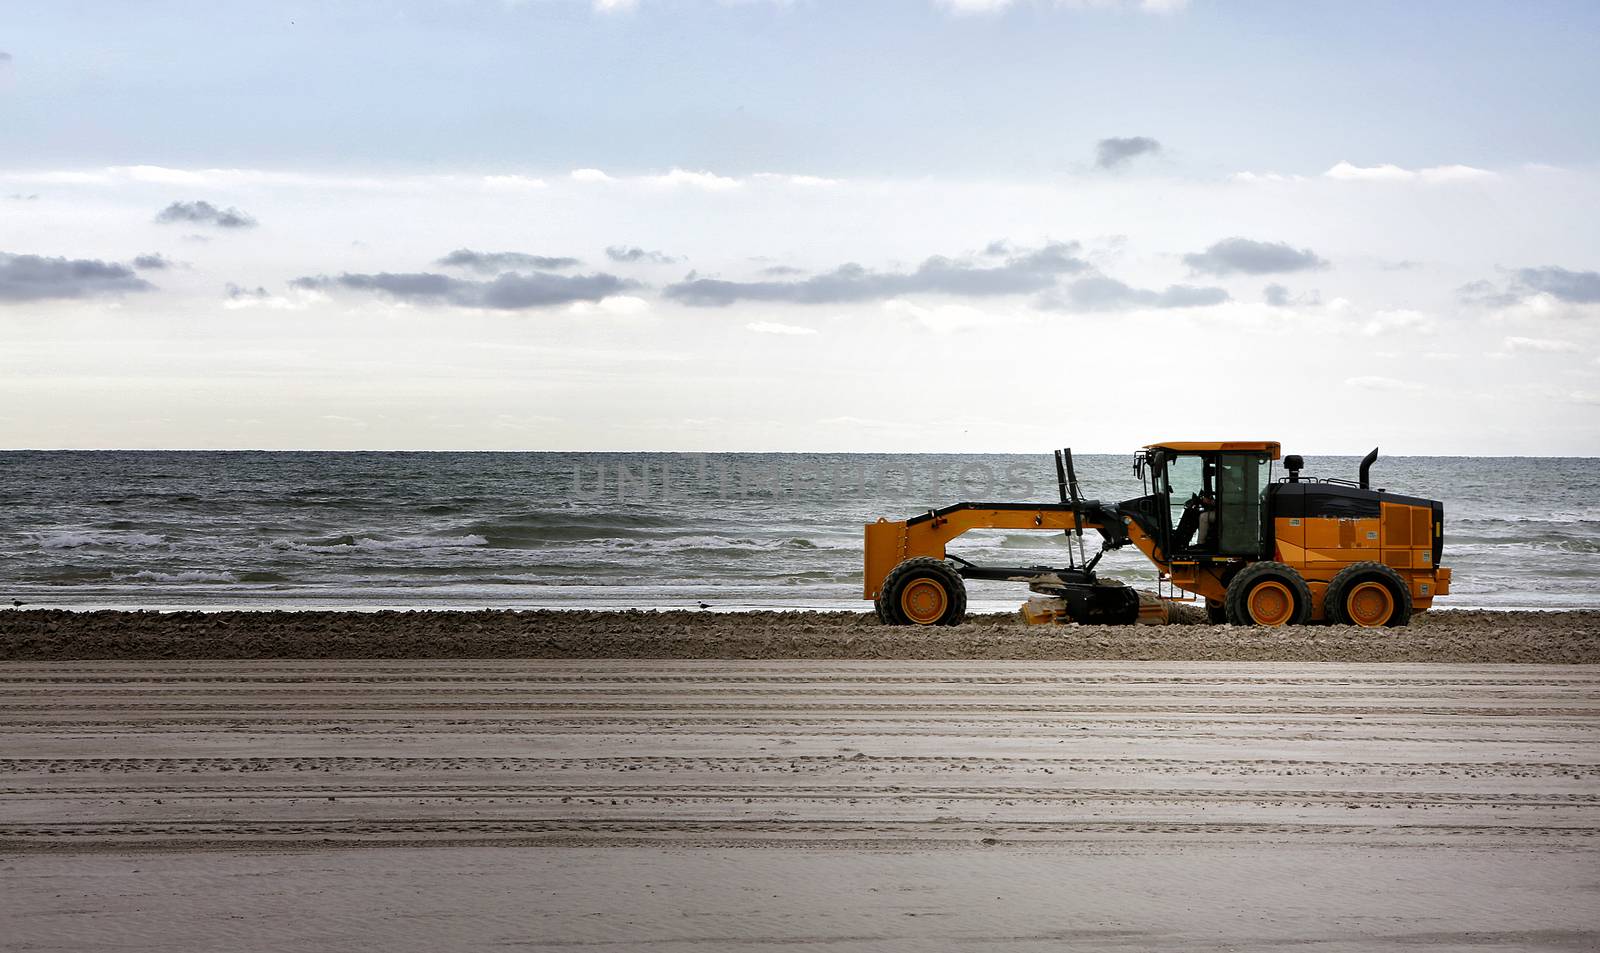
(928, 225)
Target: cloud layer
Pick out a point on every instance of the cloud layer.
(632, 254)
(492, 263)
(1100, 293)
(1561, 284)
(511, 291)
(1244, 256)
(1021, 273)
(1110, 153)
(36, 278)
(204, 213)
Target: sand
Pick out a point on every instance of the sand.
(1455, 636)
(853, 805)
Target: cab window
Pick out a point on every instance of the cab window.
(1241, 493)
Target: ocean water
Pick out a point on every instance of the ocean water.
(454, 530)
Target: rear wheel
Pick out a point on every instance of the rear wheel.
(1268, 593)
(1370, 595)
(922, 591)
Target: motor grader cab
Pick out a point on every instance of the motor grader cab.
(1218, 526)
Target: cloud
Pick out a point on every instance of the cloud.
(632, 254)
(23, 196)
(1100, 293)
(773, 327)
(1381, 384)
(152, 263)
(234, 291)
(978, 7)
(1573, 287)
(1348, 172)
(1539, 291)
(235, 298)
(36, 278)
(511, 291)
(1022, 273)
(1243, 256)
(1252, 177)
(204, 213)
(709, 181)
(590, 175)
(974, 6)
(494, 262)
(5, 57)
(1518, 345)
(1110, 153)
(514, 182)
(615, 6)
(1275, 295)
(614, 305)
(1397, 321)
(815, 181)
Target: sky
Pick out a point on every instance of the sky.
(909, 225)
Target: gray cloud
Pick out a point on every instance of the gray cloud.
(204, 213)
(152, 263)
(1574, 287)
(1243, 256)
(5, 57)
(508, 292)
(631, 254)
(1486, 293)
(1110, 153)
(23, 196)
(1022, 273)
(1276, 295)
(36, 278)
(494, 262)
(1099, 293)
(234, 292)
(782, 271)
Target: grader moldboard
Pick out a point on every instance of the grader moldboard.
(1215, 524)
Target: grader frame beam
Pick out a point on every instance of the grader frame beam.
(890, 543)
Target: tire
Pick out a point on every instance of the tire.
(1356, 597)
(877, 609)
(1216, 611)
(1268, 593)
(922, 591)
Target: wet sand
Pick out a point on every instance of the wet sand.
(848, 805)
(1455, 636)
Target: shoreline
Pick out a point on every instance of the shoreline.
(1476, 636)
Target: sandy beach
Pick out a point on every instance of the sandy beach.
(842, 804)
(1447, 636)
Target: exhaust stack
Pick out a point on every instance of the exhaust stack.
(1366, 466)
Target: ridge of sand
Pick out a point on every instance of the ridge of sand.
(1463, 636)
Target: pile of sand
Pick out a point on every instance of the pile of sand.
(1464, 636)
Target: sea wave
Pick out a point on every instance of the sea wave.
(77, 539)
(188, 575)
(352, 541)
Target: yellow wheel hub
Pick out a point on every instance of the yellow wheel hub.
(1271, 603)
(923, 601)
(1369, 604)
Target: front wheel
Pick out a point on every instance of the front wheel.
(1268, 593)
(922, 591)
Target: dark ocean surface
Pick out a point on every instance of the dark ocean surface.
(462, 530)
